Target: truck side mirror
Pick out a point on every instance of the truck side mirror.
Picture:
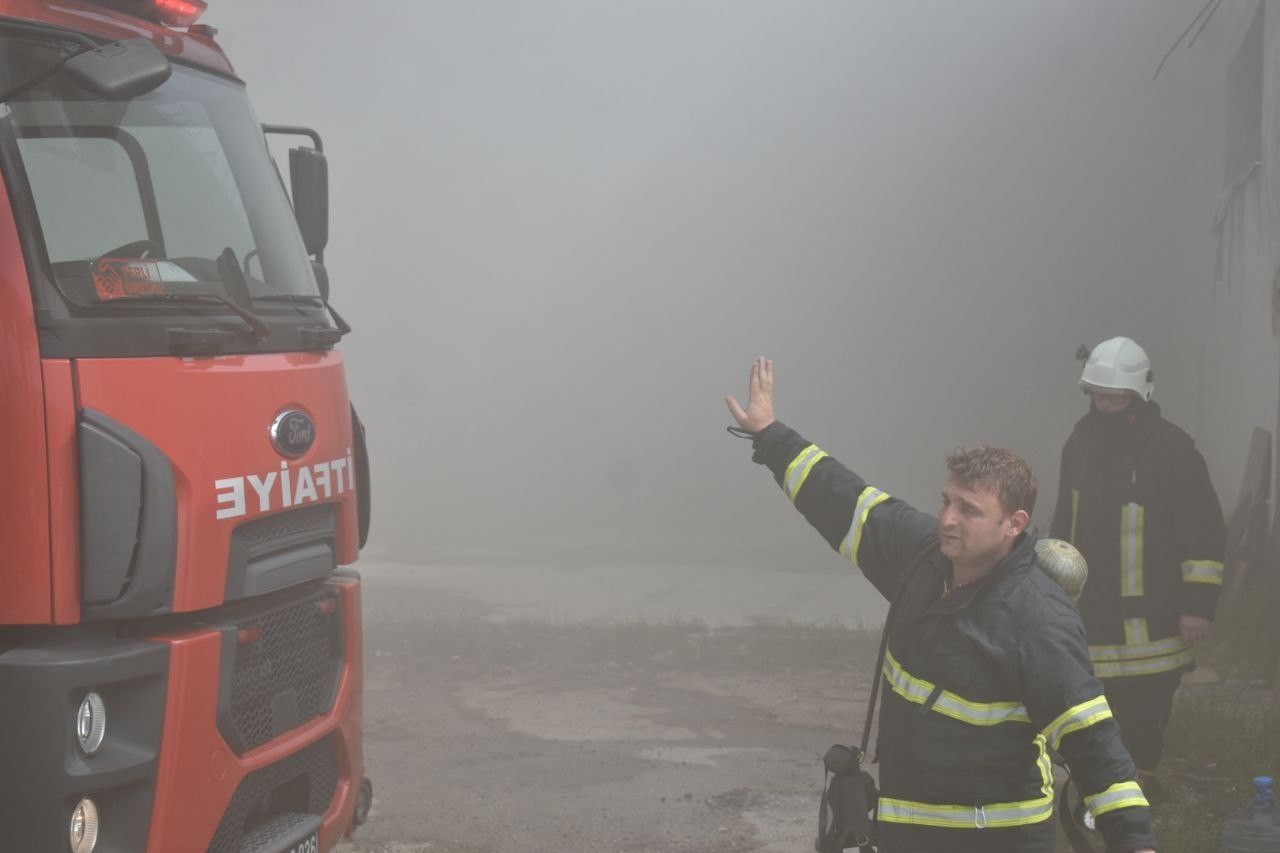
(309, 182)
(121, 70)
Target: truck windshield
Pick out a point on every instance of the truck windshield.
(142, 198)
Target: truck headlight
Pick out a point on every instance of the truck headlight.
(91, 723)
(84, 827)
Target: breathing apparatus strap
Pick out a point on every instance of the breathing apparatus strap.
(839, 802)
(884, 644)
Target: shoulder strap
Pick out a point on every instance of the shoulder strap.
(878, 675)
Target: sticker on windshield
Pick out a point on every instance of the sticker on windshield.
(120, 278)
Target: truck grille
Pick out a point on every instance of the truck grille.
(301, 784)
(284, 669)
(281, 550)
(272, 529)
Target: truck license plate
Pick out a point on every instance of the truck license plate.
(310, 844)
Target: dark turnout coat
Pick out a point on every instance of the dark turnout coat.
(1135, 497)
(979, 685)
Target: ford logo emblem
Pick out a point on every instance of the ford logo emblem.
(293, 432)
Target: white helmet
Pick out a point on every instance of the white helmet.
(1118, 364)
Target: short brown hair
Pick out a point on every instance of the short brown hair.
(1003, 469)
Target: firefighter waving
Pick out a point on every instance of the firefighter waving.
(986, 668)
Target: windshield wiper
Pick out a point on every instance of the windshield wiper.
(233, 282)
(299, 298)
(323, 335)
(237, 287)
(314, 301)
(258, 328)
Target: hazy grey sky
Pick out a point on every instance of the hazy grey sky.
(562, 229)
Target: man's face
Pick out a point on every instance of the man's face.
(973, 526)
(1111, 401)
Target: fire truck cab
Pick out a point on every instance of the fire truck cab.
(185, 479)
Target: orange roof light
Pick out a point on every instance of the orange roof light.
(179, 13)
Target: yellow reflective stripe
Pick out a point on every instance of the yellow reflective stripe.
(894, 810)
(798, 470)
(1132, 519)
(1075, 513)
(1149, 666)
(1076, 718)
(1119, 796)
(1045, 765)
(1202, 571)
(1170, 645)
(1135, 632)
(1139, 655)
(949, 704)
(870, 497)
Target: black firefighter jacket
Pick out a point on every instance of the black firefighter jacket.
(979, 685)
(1134, 496)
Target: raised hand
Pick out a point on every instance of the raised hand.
(759, 411)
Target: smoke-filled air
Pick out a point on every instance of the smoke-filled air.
(564, 231)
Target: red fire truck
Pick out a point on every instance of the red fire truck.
(185, 480)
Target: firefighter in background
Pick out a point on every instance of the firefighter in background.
(987, 668)
(1134, 496)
